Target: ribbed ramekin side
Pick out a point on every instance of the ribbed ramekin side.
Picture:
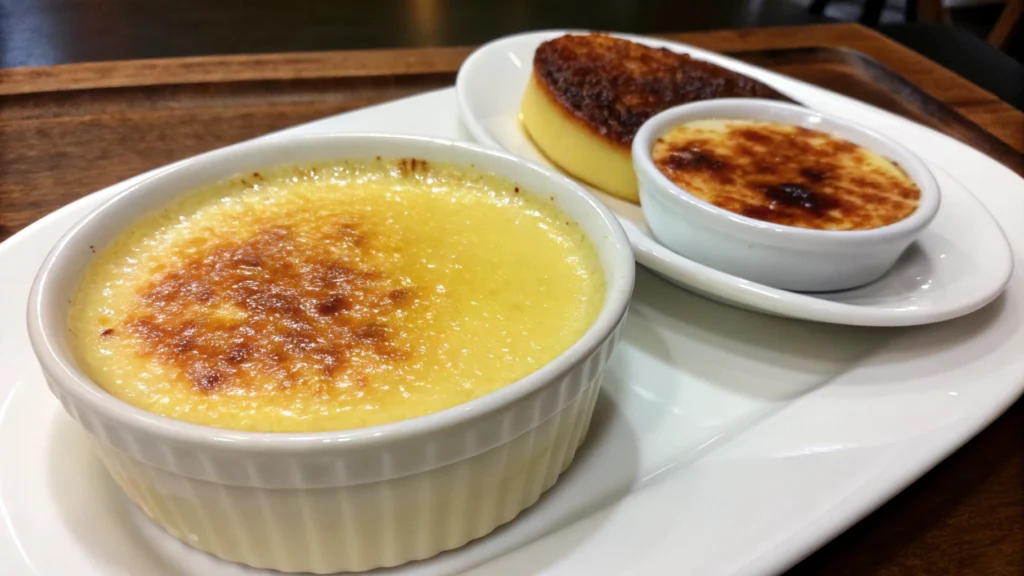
(364, 526)
(358, 526)
(340, 465)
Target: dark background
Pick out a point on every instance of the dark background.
(44, 32)
(47, 32)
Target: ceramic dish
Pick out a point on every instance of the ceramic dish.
(786, 257)
(708, 416)
(350, 500)
(961, 262)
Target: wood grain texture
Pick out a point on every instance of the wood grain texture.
(859, 76)
(224, 69)
(66, 131)
(973, 102)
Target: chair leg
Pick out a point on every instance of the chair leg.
(818, 7)
(1008, 22)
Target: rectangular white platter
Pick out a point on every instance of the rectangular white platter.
(725, 442)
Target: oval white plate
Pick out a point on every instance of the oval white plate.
(699, 399)
(959, 264)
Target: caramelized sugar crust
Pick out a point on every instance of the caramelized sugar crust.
(334, 296)
(613, 86)
(265, 307)
(786, 175)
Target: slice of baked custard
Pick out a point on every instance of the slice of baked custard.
(589, 94)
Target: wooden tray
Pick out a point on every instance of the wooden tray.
(66, 131)
(858, 75)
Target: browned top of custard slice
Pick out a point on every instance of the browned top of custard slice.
(613, 86)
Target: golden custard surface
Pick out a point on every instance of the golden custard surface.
(785, 174)
(334, 296)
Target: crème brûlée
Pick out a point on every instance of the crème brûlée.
(334, 296)
(785, 174)
(589, 94)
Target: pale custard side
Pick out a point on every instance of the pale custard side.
(334, 296)
(785, 174)
(575, 147)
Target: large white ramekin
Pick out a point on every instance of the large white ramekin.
(337, 501)
(786, 257)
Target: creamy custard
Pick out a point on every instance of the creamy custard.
(575, 147)
(786, 174)
(334, 296)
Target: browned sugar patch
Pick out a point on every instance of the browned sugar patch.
(613, 85)
(786, 175)
(265, 308)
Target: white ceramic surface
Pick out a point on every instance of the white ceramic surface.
(961, 262)
(709, 418)
(785, 257)
(274, 500)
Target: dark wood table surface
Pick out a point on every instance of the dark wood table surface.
(964, 517)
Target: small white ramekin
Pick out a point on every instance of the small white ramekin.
(786, 257)
(350, 500)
